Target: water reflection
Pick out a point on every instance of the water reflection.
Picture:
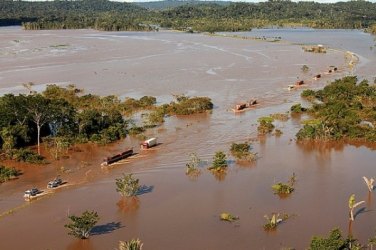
(193, 174)
(128, 204)
(369, 200)
(219, 175)
(80, 245)
(322, 150)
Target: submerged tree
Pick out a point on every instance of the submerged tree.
(242, 151)
(285, 188)
(40, 113)
(133, 244)
(352, 205)
(369, 183)
(265, 125)
(8, 173)
(219, 161)
(192, 167)
(127, 185)
(335, 240)
(80, 226)
(228, 217)
(274, 220)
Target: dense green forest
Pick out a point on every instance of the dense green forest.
(61, 117)
(192, 16)
(169, 4)
(345, 109)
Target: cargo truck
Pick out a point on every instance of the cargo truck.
(149, 143)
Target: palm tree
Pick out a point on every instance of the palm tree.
(369, 183)
(133, 244)
(353, 205)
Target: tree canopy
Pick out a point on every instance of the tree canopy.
(343, 109)
(186, 15)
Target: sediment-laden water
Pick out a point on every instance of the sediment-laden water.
(178, 212)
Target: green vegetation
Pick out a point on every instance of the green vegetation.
(274, 221)
(342, 110)
(242, 151)
(352, 205)
(183, 105)
(80, 226)
(372, 29)
(25, 155)
(127, 185)
(265, 125)
(188, 105)
(8, 173)
(61, 117)
(61, 114)
(372, 242)
(228, 217)
(282, 188)
(133, 244)
(308, 94)
(297, 108)
(58, 145)
(186, 15)
(335, 240)
(219, 162)
(285, 188)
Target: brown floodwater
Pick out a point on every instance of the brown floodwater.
(176, 211)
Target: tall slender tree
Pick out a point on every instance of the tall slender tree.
(40, 113)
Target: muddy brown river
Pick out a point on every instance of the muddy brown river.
(176, 211)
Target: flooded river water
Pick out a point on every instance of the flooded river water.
(175, 211)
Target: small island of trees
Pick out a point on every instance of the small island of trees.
(344, 109)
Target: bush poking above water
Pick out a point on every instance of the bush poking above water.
(190, 105)
(219, 162)
(80, 226)
(297, 108)
(274, 221)
(242, 151)
(133, 244)
(127, 185)
(228, 217)
(285, 188)
(352, 205)
(369, 183)
(282, 188)
(8, 173)
(192, 167)
(265, 125)
(26, 155)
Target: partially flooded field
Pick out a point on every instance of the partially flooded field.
(178, 212)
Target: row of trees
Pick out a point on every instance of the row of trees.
(107, 15)
(64, 116)
(60, 114)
